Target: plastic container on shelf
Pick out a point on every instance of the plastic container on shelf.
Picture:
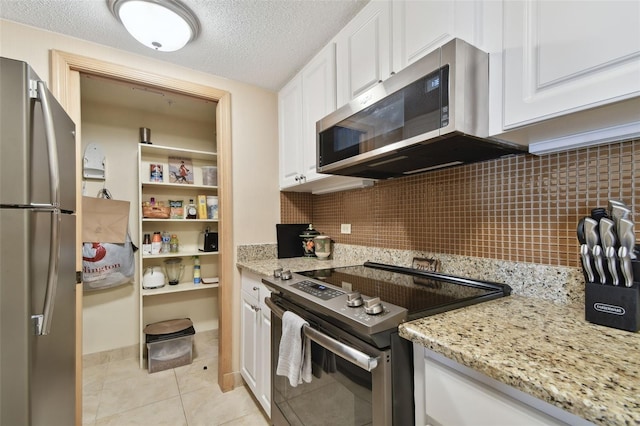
(210, 175)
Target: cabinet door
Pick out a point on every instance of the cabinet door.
(264, 395)
(452, 398)
(290, 132)
(318, 100)
(248, 352)
(565, 56)
(364, 51)
(420, 27)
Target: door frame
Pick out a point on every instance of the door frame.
(65, 85)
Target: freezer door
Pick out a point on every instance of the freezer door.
(38, 371)
(37, 141)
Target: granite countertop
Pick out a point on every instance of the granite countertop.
(545, 349)
(528, 340)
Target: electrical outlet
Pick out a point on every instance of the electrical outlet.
(345, 228)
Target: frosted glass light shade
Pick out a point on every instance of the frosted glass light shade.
(163, 25)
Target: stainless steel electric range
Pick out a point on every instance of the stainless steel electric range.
(362, 369)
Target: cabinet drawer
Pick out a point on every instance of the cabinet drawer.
(251, 284)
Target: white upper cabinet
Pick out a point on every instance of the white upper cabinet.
(304, 100)
(363, 49)
(565, 56)
(420, 27)
(318, 100)
(386, 36)
(308, 97)
(290, 132)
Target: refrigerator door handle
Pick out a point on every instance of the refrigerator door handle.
(52, 144)
(42, 322)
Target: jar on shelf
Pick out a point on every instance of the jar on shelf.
(307, 241)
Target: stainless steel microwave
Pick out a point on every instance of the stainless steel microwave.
(430, 115)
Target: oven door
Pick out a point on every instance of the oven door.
(351, 381)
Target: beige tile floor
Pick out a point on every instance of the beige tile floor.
(116, 392)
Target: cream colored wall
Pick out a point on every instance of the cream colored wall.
(102, 330)
(254, 136)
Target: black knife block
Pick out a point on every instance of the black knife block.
(614, 306)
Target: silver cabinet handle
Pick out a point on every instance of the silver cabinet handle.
(42, 322)
(256, 288)
(350, 354)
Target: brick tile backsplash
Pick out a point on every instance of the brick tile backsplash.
(523, 208)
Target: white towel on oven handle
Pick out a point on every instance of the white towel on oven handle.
(294, 354)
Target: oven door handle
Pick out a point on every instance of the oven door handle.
(350, 354)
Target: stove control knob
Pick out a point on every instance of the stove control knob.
(354, 299)
(373, 306)
(286, 275)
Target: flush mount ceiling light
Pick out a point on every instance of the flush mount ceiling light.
(164, 25)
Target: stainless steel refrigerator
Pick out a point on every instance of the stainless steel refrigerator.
(37, 252)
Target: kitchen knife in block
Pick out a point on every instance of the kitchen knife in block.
(612, 203)
(593, 243)
(585, 253)
(619, 212)
(625, 262)
(580, 231)
(627, 235)
(608, 241)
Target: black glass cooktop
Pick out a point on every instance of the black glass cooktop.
(421, 293)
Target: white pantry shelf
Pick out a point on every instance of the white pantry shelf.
(178, 288)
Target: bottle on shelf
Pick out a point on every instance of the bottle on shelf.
(146, 244)
(166, 242)
(202, 207)
(196, 270)
(156, 243)
(173, 244)
(192, 212)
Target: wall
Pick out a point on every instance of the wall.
(522, 209)
(254, 134)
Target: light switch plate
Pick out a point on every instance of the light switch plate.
(345, 228)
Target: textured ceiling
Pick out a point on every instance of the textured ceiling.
(260, 42)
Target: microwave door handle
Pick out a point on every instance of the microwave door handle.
(350, 354)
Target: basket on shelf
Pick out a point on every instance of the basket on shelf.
(155, 212)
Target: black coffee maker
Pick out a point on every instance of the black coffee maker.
(208, 241)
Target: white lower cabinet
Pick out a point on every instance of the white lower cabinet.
(255, 353)
(448, 393)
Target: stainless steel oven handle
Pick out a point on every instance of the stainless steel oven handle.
(352, 355)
